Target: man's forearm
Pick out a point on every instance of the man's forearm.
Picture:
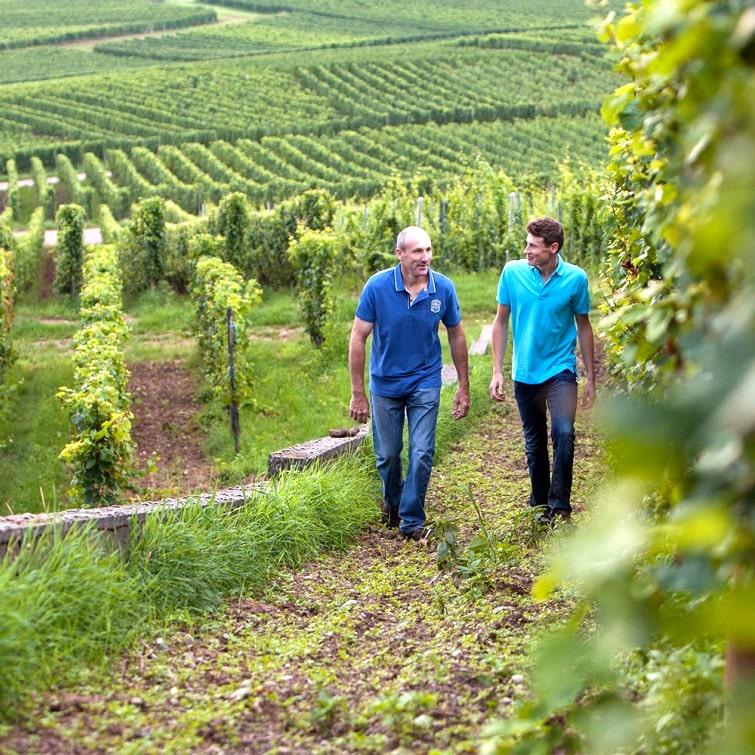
(458, 345)
(357, 352)
(498, 340)
(587, 350)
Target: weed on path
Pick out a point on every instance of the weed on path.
(372, 650)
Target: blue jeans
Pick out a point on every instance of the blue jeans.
(559, 396)
(407, 497)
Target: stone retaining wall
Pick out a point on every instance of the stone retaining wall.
(113, 520)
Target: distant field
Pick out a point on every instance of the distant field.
(302, 29)
(440, 15)
(323, 93)
(36, 22)
(268, 32)
(275, 99)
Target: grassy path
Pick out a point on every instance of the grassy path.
(373, 650)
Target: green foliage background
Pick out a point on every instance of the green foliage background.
(666, 562)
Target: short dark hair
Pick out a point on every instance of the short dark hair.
(548, 229)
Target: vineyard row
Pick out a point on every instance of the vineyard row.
(352, 163)
(29, 25)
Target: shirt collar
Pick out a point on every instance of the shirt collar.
(559, 267)
(398, 280)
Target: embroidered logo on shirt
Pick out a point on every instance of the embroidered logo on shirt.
(435, 306)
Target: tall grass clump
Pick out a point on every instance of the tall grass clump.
(68, 602)
(64, 602)
(191, 559)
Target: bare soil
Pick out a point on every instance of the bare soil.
(47, 277)
(166, 428)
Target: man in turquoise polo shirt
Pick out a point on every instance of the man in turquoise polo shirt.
(402, 308)
(548, 303)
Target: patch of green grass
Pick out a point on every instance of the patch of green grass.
(477, 292)
(299, 394)
(277, 308)
(54, 307)
(33, 479)
(64, 601)
(160, 311)
(160, 350)
(345, 306)
(30, 328)
(49, 319)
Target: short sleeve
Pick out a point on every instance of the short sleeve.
(581, 298)
(503, 290)
(366, 307)
(452, 315)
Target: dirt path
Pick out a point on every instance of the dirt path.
(372, 650)
(226, 16)
(166, 428)
(47, 277)
(90, 236)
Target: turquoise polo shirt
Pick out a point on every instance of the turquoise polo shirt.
(542, 317)
(406, 351)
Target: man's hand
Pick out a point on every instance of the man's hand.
(359, 408)
(588, 394)
(496, 387)
(460, 405)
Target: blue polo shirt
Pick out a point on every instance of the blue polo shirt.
(542, 317)
(405, 345)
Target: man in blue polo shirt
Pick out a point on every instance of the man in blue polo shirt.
(544, 297)
(402, 308)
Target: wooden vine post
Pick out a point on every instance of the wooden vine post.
(233, 407)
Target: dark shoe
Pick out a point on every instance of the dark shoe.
(416, 535)
(542, 516)
(559, 517)
(388, 516)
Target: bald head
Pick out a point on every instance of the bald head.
(412, 236)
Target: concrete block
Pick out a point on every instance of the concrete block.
(480, 346)
(448, 374)
(319, 449)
